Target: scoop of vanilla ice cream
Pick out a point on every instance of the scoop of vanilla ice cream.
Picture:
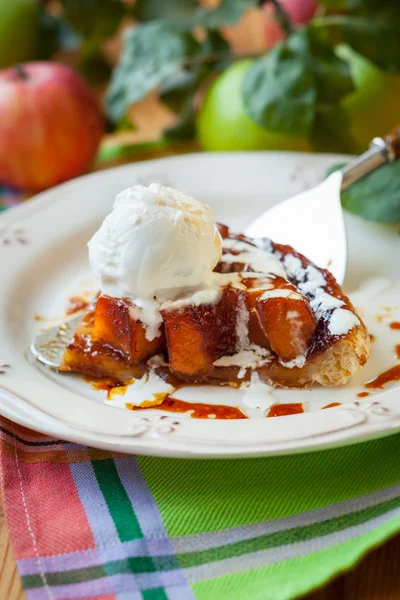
(155, 243)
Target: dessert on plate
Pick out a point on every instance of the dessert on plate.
(191, 302)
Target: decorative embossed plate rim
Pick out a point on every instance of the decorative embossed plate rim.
(35, 244)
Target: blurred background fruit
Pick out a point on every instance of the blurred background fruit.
(374, 107)
(299, 12)
(222, 123)
(50, 125)
(172, 77)
(19, 31)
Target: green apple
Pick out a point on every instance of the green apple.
(223, 124)
(18, 31)
(373, 108)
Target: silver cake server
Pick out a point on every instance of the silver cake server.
(312, 222)
(49, 347)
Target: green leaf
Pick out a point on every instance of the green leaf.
(377, 39)
(228, 12)
(213, 48)
(152, 53)
(332, 74)
(279, 92)
(285, 90)
(371, 27)
(217, 49)
(94, 19)
(189, 13)
(180, 89)
(55, 33)
(180, 12)
(123, 151)
(375, 197)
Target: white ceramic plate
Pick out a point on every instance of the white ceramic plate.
(43, 262)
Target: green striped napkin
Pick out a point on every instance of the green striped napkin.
(91, 525)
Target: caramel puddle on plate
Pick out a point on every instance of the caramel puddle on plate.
(394, 325)
(112, 387)
(331, 405)
(362, 394)
(397, 350)
(283, 410)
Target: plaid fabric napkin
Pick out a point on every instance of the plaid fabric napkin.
(91, 525)
(10, 197)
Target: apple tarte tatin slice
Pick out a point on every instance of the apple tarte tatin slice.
(267, 310)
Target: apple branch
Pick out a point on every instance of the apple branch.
(281, 15)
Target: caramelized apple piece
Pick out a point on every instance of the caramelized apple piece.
(94, 358)
(113, 325)
(256, 332)
(198, 335)
(188, 346)
(287, 322)
(98, 360)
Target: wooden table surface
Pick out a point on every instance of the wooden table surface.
(378, 575)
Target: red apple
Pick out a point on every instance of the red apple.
(299, 12)
(50, 125)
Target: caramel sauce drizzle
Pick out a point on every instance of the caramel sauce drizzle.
(388, 376)
(198, 410)
(75, 304)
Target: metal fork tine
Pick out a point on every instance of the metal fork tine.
(49, 347)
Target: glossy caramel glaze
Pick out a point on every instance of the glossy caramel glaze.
(322, 338)
(388, 376)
